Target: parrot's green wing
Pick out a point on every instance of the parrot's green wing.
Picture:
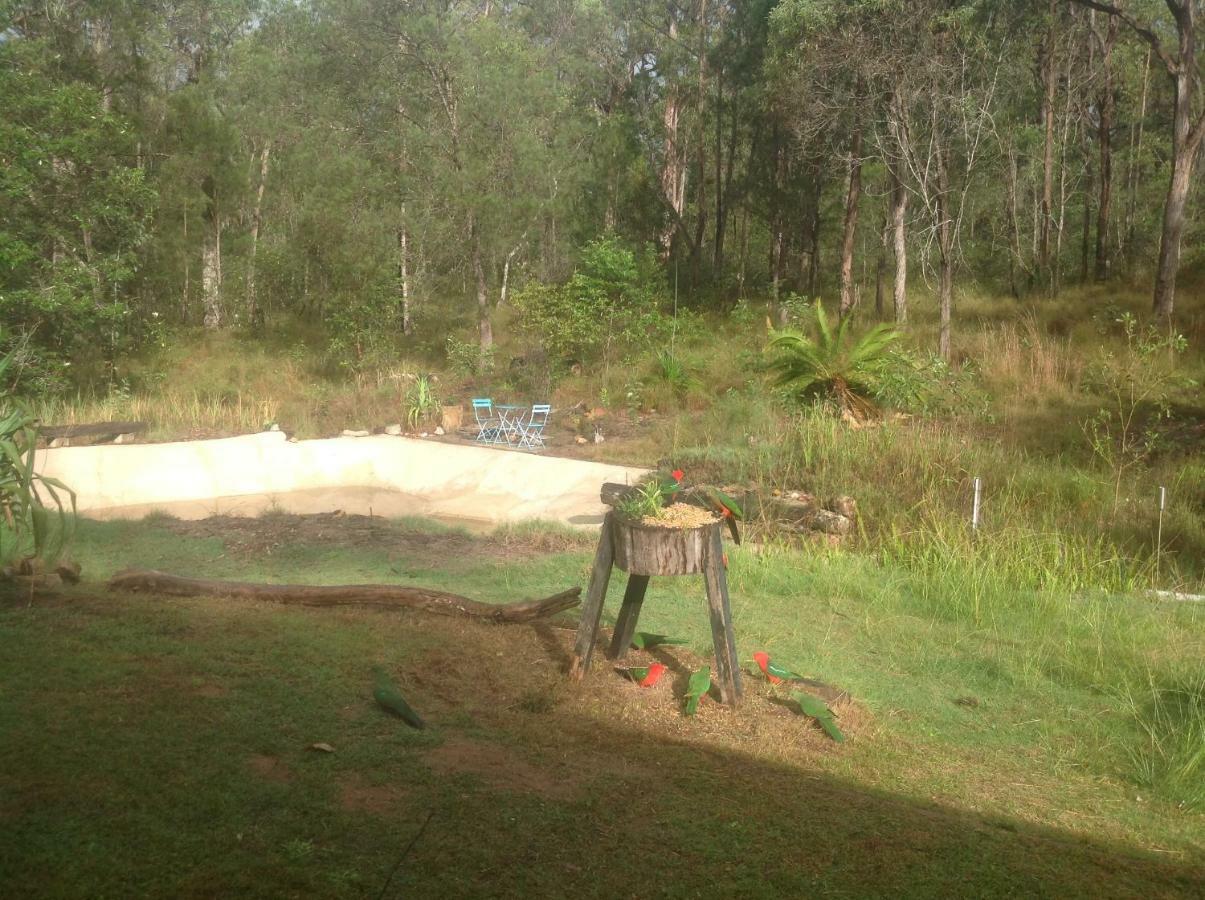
(779, 672)
(643, 640)
(386, 694)
(637, 674)
(699, 684)
(818, 710)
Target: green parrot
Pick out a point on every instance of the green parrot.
(387, 694)
(643, 640)
(699, 684)
(816, 708)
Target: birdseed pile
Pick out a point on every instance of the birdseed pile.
(680, 515)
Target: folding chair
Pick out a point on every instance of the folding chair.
(532, 436)
(487, 423)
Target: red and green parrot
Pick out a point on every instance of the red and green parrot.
(644, 640)
(646, 676)
(699, 684)
(775, 674)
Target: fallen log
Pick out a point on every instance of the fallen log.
(382, 596)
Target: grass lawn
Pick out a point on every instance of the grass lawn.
(1046, 746)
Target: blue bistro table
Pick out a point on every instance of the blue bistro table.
(510, 420)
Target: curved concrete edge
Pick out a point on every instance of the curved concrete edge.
(452, 480)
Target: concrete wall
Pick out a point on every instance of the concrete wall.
(399, 475)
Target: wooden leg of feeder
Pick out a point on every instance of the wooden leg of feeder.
(600, 577)
(625, 625)
(727, 666)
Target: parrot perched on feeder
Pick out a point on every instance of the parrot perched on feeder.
(387, 694)
(646, 676)
(725, 507)
(699, 684)
(818, 710)
(775, 674)
(644, 640)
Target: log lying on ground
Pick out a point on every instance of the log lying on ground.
(383, 596)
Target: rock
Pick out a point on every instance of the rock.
(845, 506)
(347, 432)
(274, 427)
(321, 747)
(124, 439)
(828, 522)
(581, 440)
(60, 442)
(395, 429)
(423, 434)
(785, 509)
(439, 429)
(68, 571)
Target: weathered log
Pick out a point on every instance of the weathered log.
(655, 550)
(93, 429)
(385, 596)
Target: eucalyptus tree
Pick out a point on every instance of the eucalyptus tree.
(1185, 71)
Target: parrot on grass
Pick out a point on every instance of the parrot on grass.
(699, 684)
(643, 640)
(818, 710)
(774, 673)
(646, 676)
(387, 694)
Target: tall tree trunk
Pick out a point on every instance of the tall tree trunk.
(945, 245)
(485, 330)
(673, 167)
(1134, 176)
(1014, 229)
(1048, 70)
(211, 259)
(899, 208)
(852, 196)
(254, 310)
(880, 270)
(1186, 140)
(814, 230)
(1104, 133)
(403, 274)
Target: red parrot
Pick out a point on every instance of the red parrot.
(646, 677)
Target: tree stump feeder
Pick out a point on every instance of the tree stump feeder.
(644, 551)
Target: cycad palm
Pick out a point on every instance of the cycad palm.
(834, 365)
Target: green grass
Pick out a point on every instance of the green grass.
(1038, 742)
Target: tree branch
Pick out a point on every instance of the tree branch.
(1144, 31)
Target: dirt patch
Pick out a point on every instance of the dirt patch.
(270, 768)
(357, 795)
(247, 537)
(211, 691)
(499, 767)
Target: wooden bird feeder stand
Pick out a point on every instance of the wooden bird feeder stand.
(644, 551)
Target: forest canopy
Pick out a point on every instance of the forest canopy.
(396, 173)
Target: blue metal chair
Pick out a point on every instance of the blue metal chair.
(532, 436)
(487, 422)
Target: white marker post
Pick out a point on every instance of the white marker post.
(975, 505)
(1159, 532)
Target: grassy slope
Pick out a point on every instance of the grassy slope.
(157, 747)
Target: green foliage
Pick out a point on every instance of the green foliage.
(834, 365)
(74, 212)
(33, 508)
(466, 358)
(421, 402)
(609, 306)
(647, 500)
(674, 373)
(1136, 384)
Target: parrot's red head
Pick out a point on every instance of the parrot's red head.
(762, 659)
